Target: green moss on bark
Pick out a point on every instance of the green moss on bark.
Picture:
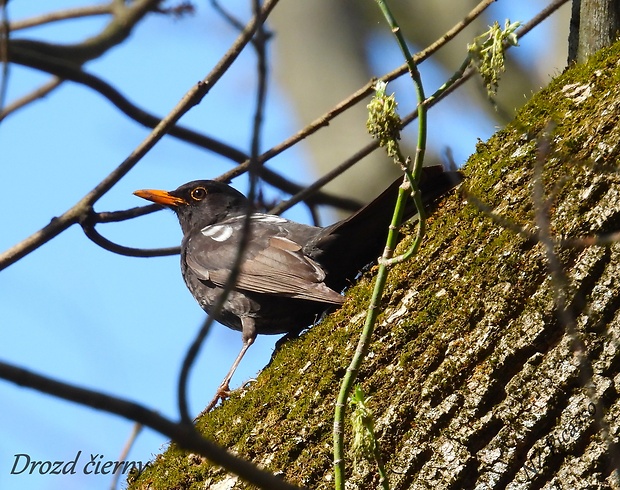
(452, 315)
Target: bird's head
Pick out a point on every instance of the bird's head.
(199, 203)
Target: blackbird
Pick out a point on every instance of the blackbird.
(290, 273)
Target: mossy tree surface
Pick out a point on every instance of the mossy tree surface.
(474, 380)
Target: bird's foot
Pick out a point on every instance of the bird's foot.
(222, 393)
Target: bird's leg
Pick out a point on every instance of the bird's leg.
(224, 389)
(248, 337)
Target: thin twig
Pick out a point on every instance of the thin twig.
(184, 435)
(540, 17)
(531, 236)
(118, 29)
(563, 305)
(39, 93)
(259, 18)
(4, 52)
(73, 13)
(76, 73)
(103, 242)
(117, 216)
(468, 19)
(135, 431)
(412, 179)
(310, 190)
(231, 19)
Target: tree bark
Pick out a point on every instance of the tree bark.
(479, 376)
(595, 24)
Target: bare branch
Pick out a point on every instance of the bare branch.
(103, 242)
(73, 13)
(76, 74)
(126, 16)
(39, 93)
(185, 435)
(116, 216)
(4, 52)
(135, 431)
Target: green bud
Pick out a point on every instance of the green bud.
(384, 123)
(364, 442)
(487, 52)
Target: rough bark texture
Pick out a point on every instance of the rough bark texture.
(475, 383)
(594, 25)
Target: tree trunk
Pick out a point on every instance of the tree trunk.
(595, 24)
(478, 376)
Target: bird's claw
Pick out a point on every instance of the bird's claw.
(223, 392)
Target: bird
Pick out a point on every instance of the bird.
(290, 273)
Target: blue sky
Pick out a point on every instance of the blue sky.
(122, 325)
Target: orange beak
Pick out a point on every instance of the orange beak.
(160, 197)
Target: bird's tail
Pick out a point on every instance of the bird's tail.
(347, 246)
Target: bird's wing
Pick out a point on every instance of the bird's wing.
(272, 263)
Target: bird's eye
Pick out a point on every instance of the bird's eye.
(199, 193)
